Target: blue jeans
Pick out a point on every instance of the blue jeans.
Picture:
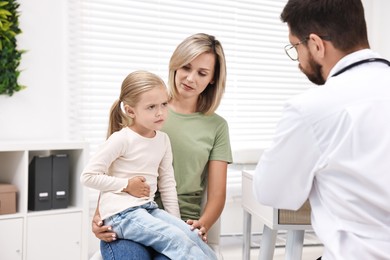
(151, 226)
(123, 249)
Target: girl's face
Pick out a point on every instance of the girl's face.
(192, 79)
(150, 112)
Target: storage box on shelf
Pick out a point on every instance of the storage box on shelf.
(7, 198)
(55, 233)
(48, 182)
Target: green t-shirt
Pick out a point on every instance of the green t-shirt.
(196, 139)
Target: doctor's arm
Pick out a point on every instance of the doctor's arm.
(283, 177)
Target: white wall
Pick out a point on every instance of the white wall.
(40, 111)
(378, 20)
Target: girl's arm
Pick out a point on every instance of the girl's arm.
(166, 182)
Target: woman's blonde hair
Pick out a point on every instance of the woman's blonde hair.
(186, 52)
(135, 84)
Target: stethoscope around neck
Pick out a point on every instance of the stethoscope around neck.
(350, 66)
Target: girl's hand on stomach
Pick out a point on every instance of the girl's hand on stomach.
(137, 187)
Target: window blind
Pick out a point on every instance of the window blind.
(109, 39)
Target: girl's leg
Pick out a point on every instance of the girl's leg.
(124, 250)
(184, 227)
(140, 226)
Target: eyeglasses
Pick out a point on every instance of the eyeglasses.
(291, 49)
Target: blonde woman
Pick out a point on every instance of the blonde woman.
(199, 139)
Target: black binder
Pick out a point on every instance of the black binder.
(60, 181)
(39, 183)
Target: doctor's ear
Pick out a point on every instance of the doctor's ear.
(317, 45)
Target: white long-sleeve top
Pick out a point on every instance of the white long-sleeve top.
(332, 146)
(124, 155)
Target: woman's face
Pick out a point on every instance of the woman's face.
(192, 79)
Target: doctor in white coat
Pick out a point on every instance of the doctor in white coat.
(332, 144)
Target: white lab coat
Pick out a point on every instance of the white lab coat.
(332, 146)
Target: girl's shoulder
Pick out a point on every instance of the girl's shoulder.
(162, 135)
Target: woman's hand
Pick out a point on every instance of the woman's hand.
(137, 187)
(202, 229)
(104, 233)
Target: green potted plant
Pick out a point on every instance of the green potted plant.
(10, 56)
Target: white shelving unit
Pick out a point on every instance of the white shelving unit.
(49, 234)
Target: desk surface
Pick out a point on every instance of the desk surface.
(273, 218)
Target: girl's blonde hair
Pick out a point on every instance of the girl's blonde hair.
(133, 86)
(186, 52)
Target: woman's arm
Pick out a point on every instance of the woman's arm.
(102, 232)
(216, 196)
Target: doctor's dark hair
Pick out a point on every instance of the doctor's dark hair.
(341, 20)
(187, 51)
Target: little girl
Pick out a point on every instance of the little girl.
(136, 151)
